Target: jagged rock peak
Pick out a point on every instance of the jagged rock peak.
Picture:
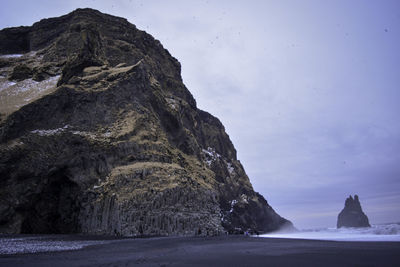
(352, 214)
(99, 135)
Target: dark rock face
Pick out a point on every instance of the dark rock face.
(99, 135)
(352, 214)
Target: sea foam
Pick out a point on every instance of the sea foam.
(377, 232)
(35, 244)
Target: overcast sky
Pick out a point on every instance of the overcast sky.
(309, 91)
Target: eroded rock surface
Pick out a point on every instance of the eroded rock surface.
(99, 135)
(352, 214)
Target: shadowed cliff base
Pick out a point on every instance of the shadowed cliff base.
(98, 135)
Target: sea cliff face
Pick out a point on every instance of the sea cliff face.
(99, 135)
(352, 214)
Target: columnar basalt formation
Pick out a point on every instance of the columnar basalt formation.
(352, 214)
(99, 135)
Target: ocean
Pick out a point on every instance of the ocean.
(44, 243)
(377, 232)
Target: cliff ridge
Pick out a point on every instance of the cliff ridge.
(99, 135)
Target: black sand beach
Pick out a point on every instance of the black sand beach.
(216, 251)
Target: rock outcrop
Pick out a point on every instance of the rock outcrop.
(99, 135)
(352, 214)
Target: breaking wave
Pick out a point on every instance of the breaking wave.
(377, 232)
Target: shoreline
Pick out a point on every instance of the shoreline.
(213, 251)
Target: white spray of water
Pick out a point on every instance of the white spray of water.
(378, 232)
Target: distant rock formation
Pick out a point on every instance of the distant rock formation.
(352, 214)
(99, 135)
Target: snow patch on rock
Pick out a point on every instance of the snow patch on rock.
(211, 155)
(6, 85)
(173, 103)
(244, 198)
(230, 167)
(11, 56)
(233, 203)
(29, 85)
(50, 132)
(67, 128)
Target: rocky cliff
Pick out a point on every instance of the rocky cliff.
(99, 135)
(352, 214)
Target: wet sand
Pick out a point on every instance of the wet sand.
(216, 251)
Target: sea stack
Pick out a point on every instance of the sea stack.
(99, 135)
(352, 214)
